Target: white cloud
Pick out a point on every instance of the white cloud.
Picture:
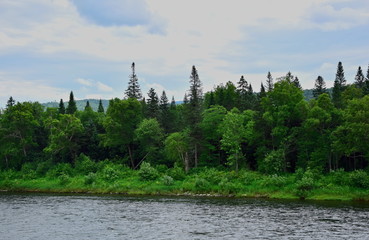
(85, 82)
(103, 87)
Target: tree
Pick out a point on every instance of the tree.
(269, 82)
(339, 85)
(194, 111)
(234, 132)
(88, 107)
(296, 81)
(10, 103)
(133, 90)
(61, 108)
(177, 148)
(360, 79)
(150, 136)
(164, 114)
(152, 107)
(100, 109)
(319, 87)
(122, 118)
(63, 137)
(366, 85)
(262, 91)
(72, 106)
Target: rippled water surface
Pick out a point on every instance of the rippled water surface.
(41, 217)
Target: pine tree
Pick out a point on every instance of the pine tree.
(72, 107)
(242, 87)
(10, 103)
(61, 108)
(319, 87)
(88, 107)
(250, 91)
(269, 82)
(296, 82)
(338, 86)
(194, 111)
(152, 104)
(262, 91)
(173, 103)
(133, 90)
(366, 85)
(164, 118)
(100, 109)
(359, 78)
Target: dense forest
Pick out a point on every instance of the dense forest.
(274, 131)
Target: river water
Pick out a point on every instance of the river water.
(45, 216)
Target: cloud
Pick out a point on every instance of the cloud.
(84, 81)
(103, 87)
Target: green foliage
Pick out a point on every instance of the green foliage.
(201, 184)
(176, 172)
(305, 185)
(167, 180)
(60, 169)
(84, 165)
(359, 179)
(90, 178)
(110, 172)
(275, 181)
(147, 172)
(273, 163)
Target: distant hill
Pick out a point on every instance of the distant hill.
(94, 103)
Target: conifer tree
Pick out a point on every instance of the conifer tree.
(133, 90)
(262, 91)
(152, 107)
(366, 85)
(359, 78)
(173, 103)
(100, 109)
(10, 103)
(339, 85)
(242, 87)
(319, 87)
(194, 111)
(72, 106)
(250, 91)
(61, 108)
(296, 82)
(269, 82)
(164, 118)
(88, 107)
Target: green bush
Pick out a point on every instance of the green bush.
(177, 173)
(64, 179)
(359, 178)
(90, 178)
(44, 167)
(227, 187)
(28, 170)
(59, 170)
(274, 181)
(201, 184)
(167, 180)
(110, 173)
(273, 163)
(212, 175)
(84, 165)
(147, 172)
(305, 185)
(248, 177)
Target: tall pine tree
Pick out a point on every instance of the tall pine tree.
(61, 108)
(359, 78)
(269, 82)
(339, 85)
(152, 107)
(100, 109)
(133, 90)
(319, 87)
(72, 106)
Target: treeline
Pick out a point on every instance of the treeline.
(273, 131)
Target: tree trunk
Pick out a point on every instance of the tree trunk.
(130, 156)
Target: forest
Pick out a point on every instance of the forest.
(272, 135)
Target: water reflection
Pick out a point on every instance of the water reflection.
(38, 216)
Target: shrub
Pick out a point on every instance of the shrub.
(305, 185)
(177, 173)
(84, 165)
(90, 178)
(359, 179)
(110, 173)
(28, 171)
(201, 184)
(273, 163)
(168, 180)
(64, 179)
(60, 169)
(43, 167)
(274, 180)
(147, 172)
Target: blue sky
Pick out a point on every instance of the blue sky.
(50, 47)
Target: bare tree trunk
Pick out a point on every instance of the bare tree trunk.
(131, 157)
(186, 163)
(196, 159)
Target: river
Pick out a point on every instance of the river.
(46, 216)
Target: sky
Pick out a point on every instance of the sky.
(51, 47)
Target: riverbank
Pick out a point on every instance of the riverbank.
(116, 179)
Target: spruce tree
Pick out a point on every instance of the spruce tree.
(338, 86)
(152, 104)
(72, 106)
(88, 107)
(194, 111)
(100, 109)
(269, 82)
(242, 87)
(61, 108)
(133, 90)
(164, 118)
(10, 103)
(359, 78)
(262, 91)
(173, 103)
(319, 87)
(296, 82)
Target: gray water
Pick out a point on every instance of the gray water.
(44, 216)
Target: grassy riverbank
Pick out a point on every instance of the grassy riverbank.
(106, 177)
